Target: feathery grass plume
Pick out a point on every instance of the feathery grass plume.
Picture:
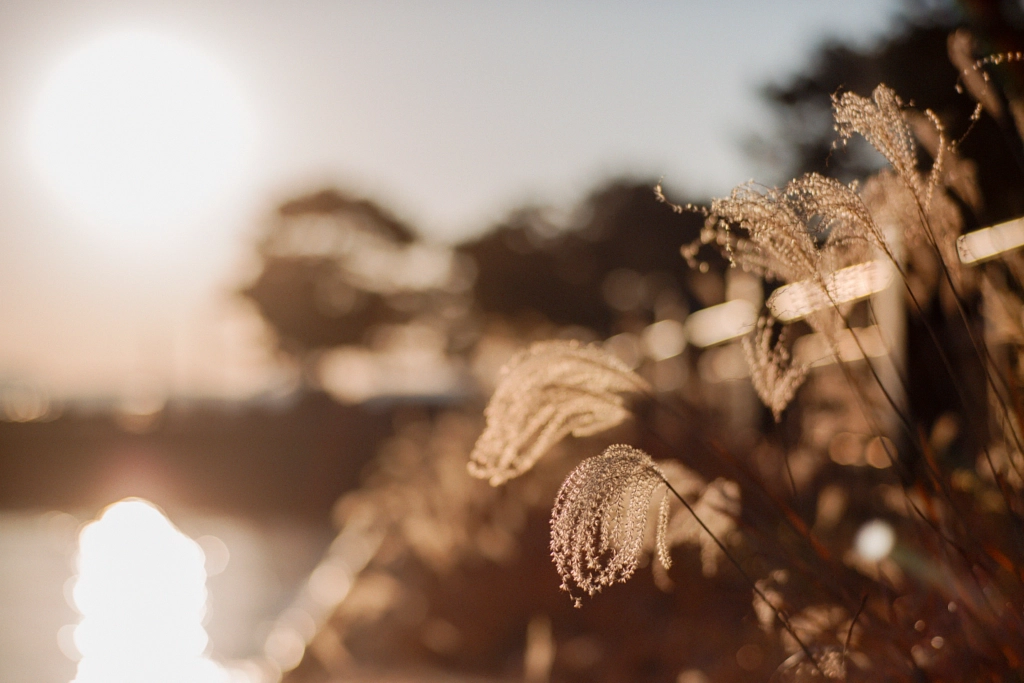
(812, 226)
(773, 373)
(545, 393)
(599, 519)
(959, 174)
(960, 46)
(892, 203)
(978, 82)
(659, 540)
(803, 232)
(924, 211)
(881, 122)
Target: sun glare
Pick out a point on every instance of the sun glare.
(136, 130)
(141, 590)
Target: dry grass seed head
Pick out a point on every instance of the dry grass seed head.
(923, 212)
(686, 483)
(545, 393)
(973, 76)
(880, 121)
(773, 373)
(599, 520)
(959, 174)
(803, 231)
(893, 204)
(883, 123)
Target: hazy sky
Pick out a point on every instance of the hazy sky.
(448, 112)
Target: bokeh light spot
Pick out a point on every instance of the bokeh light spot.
(875, 540)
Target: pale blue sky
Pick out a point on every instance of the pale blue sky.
(449, 112)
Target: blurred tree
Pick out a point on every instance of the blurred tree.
(302, 290)
(613, 262)
(335, 267)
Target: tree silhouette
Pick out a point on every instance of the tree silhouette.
(315, 289)
(606, 268)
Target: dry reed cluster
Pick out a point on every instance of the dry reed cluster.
(943, 597)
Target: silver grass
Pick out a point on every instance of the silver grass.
(812, 226)
(815, 226)
(803, 232)
(959, 174)
(599, 519)
(893, 204)
(664, 535)
(923, 212)
(961, 46)
(545, 393)
(881, 122)
(773, 373)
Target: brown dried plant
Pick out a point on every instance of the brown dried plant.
(894, 206)
(804, 232)
(811, 227)
(599, 523)
(920, 212)
(717, 505)
(773, 373)
(599, 519)
(880, 120)
(545, 393)
(814, 226)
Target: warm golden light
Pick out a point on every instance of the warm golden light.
(141, 590)
(135, 130)
(799, 299)
(987, 243)
(720, 323)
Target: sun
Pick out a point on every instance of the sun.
(136, 130)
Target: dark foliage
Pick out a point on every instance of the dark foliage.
(530, 265)
(297, 293)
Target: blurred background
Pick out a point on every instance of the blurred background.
(261, 262)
